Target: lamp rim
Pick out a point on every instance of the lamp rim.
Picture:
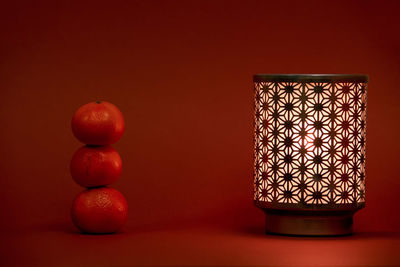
(361, 78)
(353, 206)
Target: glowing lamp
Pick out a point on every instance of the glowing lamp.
(309, 170)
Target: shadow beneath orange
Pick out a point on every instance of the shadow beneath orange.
(68, 228)
(65, 227)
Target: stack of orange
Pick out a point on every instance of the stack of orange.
(98, 209)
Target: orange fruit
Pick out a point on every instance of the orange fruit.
(95, 166)
(98, 123)
(99, 210)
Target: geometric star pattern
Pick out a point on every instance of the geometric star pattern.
(310, 140)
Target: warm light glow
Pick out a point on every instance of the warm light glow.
(310, 142)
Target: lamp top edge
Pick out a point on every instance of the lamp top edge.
(363, 78)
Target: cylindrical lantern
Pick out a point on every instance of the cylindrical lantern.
(309, 170)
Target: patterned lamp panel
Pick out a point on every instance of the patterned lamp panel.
(310, 143)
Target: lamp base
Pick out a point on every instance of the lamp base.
(308, 223)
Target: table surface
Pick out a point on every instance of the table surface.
(62, 245)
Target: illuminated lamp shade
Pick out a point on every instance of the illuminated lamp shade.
(309, 169)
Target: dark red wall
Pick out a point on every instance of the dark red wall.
(181, 73)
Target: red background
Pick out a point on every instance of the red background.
(181, 73)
